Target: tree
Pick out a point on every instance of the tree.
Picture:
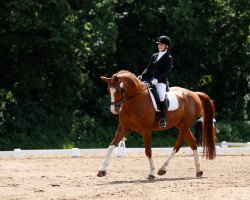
(41, 67)
(230, 32)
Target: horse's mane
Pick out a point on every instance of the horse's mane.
(125, 71)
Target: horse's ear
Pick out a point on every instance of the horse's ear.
(105, 79)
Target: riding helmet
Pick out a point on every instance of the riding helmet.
(164, 39)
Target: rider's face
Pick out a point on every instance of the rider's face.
(162, 46)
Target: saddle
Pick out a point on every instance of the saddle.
(153, 90)
(170, 98)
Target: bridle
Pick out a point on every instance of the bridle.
(123, 92)
(124, 97)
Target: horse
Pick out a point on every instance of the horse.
(130, 99)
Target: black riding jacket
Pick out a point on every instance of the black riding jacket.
(158, 69)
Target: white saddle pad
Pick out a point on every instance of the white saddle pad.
(173, 101)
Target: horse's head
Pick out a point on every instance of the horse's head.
(121, 87)
(117, 92)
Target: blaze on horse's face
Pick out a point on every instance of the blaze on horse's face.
(115, 88)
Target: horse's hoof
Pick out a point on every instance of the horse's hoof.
(199, 174)
(151, 177)
(161, 172)
(101, 173)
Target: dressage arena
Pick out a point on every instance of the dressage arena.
(63, 177)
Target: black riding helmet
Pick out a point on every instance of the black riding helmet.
(164, 39)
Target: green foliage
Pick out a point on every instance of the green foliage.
(234, 131)
(6, 99)
(205, 80)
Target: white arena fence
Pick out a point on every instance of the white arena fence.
(221, 148)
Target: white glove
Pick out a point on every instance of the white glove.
(146, 83)
(139, 77)
(154, 81)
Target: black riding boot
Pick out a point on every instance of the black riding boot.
(164, 108)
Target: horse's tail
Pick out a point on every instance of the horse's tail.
(208, 126)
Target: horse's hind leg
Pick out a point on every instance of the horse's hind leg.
(192, 143)
(177, 146)
(120, 133)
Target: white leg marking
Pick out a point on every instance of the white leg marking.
(166, 163)
(196, 161)
(112, 95)
(152, 167)
(107, 158)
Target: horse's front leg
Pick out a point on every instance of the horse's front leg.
(148, 152)
(120, 133)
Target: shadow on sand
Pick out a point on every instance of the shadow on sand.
(153, 180)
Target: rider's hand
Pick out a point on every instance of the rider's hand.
(154, 81)
(139, 77)
(146, 83)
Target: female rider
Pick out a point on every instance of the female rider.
(157, 71)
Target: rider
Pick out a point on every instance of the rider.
(156, 73)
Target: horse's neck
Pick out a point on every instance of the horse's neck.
(136, 90)
(134, 86)
(137, 102)
(135, 95)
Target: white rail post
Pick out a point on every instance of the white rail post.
(224, 144)
(18, 153)
(75, 153)
(121, 149)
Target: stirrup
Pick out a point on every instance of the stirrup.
(163, 123)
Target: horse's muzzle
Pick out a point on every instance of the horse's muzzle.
(115, 109)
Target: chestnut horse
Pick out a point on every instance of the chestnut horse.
(130, 99)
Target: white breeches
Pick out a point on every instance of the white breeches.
(161, 89)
